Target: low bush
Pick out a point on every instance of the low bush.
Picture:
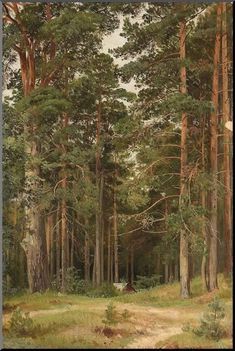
(111, 315)
(210, 326)
(21, 324)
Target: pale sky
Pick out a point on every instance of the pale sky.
(113, 41)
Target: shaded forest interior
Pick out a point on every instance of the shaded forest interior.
(102, 184)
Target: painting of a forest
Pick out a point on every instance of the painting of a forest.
(117, 175)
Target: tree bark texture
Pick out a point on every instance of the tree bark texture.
(213, 159)
(184, 244)
(227, 149)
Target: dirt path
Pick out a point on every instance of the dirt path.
(161, 323)
(154, 335)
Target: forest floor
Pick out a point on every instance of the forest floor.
(156, 319)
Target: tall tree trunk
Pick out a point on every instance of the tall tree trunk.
(64, 222)
(204, 232)
(184, 244)
(58, 246)
(63, 241)
(213, 159)
(98, 189)
(34, 243)
(226, 142)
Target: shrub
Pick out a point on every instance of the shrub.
(74, 283)
(21, 324)
(144, 282)
(111, 316)
(210, 323)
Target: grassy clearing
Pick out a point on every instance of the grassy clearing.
(73, 321)
(72, 329)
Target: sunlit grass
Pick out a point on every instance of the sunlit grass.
(189, 340)
(169, 294)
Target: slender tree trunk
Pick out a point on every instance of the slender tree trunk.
(58, 246)
(158, 266)
(63, 241)
(52, 258)
(111, 263)
(226, 142)
(94, 271)
(98, 209)
(127, 267)
(171, 267)
(116, 277)
(204, 232)
(184, 244)
(213, 159)
(72, 246)
(115, 232)
(109, 253)
(191, 267)
(47, 232)
(176, 271)
(166, 275)
(101, 229)
(87, 257)
(204, 275)
(64, 223)
(132, 265)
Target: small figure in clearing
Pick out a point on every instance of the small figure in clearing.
(129, 288)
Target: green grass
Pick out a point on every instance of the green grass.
(79, 325)
(47, 301)
(169, 295)
(189, 340)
